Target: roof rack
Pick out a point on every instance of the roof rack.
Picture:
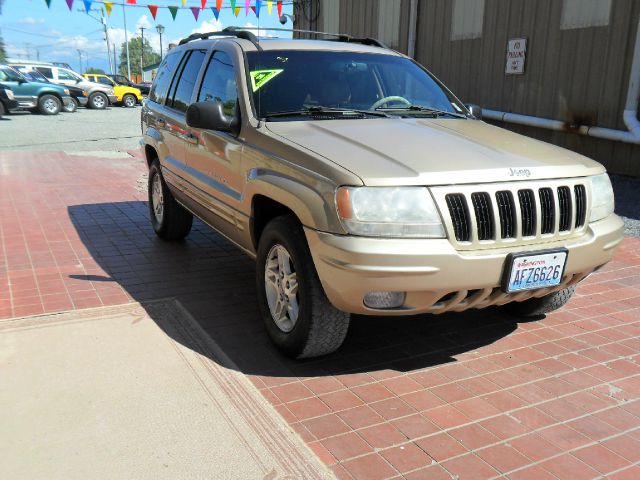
(239, 32)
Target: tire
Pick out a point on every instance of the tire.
(169, 219)
(71, 107)
(318, 328)
(49, 105)
(129, 100)
(98, 101)
(3, 111)
(539, 306)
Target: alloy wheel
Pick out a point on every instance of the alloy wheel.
(281, 285)
(157, 199)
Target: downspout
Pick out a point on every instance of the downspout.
(413, 26)
(630, 115)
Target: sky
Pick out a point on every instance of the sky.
(30, 29)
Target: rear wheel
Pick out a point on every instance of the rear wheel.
(99, 101)
(49, 105)
(72, 106)
(3, 110)
(169, 219)
(540, 306)
(298, 316)
(129, 100)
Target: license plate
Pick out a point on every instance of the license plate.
(528, 271)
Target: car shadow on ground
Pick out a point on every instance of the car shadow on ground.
(215, 282)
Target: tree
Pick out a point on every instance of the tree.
(96, 71)
(3, 52)
(135, 50)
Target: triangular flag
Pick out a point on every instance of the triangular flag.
(216, 13)
(174, 11)
(253, 9)
(87, 5)
(154, 10)
(108, 6)
(204, 4)
(131, 2)
(184, 2)
(48, 3)
(236, 12)
(218, 5)
(195, 11)
(269, 6)
(246, 7)
(257, 8)
(70, 4)
(233, 5)
(279, 5)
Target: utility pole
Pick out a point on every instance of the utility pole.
(160, 30)
(79, 60)
(126, 40)
(142, 29)
(106, 39)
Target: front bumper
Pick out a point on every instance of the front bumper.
(436, 277)
(10, 104)
(66, 100)
(112, 99)
(82, 101)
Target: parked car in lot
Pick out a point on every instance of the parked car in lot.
(125, 96)
(7, 100)
(78, 95)
(45, 98)
(98, 96)
(144, 87)
(362, 185)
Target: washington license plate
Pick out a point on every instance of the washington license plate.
(528, 271)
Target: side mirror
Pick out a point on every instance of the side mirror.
(475, 110)
(210, 116)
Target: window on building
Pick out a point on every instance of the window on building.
(584, 13)
(187, 82)
(219, 83)
(467, 19)
(165, 71)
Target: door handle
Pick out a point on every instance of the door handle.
(191, 138)
(160, 122)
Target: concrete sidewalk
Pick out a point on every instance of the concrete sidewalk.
(133, 392)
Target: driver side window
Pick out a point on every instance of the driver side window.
(219, 83)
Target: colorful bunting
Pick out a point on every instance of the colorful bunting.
(279, 5)
(246, 6)
(48, 3)
(108, 6)
(70, 4)
(154, 10)
(236, 12)
(204, 4)
(256, 10)
(184, 2)
(233, 5)
(269, 6)
(216, 13)
(87, 5)
(174, 11)
(218, 6)
(131, 2)
(195, 11)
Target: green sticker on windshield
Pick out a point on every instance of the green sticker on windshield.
(260, 77)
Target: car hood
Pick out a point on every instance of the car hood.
(419, 151)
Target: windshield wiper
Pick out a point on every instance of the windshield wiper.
(318, 110)
(424, 110)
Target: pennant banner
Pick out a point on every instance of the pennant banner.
(108, 6)
(154, 10)
(269, 6)
(48, 3)
(257, 8)
(87, 5)
(246, 7)
(204, 4)
(216, 12)
(196, 12)
(70, 4)
(174, 11)
(279, 5)
(218, 5)
(236, 12)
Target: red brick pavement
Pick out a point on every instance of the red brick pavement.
(479, 394)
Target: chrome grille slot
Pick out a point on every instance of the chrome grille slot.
(581, 205)
(484, 215)
(527, 212)
(547, 210)
(459, 211)
(507, 212)
(564, 203)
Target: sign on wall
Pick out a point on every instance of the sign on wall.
(516, 50)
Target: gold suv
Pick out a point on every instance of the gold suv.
(361, 184)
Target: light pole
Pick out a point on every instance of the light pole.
(160, 30)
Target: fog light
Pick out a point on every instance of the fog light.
(384, 299)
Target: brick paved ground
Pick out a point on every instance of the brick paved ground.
(478, 395)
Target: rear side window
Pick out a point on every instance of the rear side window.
(105, 81)
(187, 81)
(219, 83)
(47, 72)
(160, 87)
(64, 75)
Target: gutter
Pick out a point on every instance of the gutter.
(629, 116)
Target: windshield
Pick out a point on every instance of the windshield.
(8, 74)
(293, 80)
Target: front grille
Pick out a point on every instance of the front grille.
(459, 212)
(515, 213)
(484, 215)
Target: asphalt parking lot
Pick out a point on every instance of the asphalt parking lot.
(115, 128)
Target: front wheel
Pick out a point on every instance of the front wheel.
(72, 106)
(129, 100)
(99, 101)
(298, 317)
(169, 219)
(49, 105)
(539, 306)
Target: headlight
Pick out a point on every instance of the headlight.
(10, 95)
(84, 93)
(602, 203)
(66, 91)
(389, 212)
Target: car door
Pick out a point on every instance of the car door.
(213, 157)
(23, 91)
